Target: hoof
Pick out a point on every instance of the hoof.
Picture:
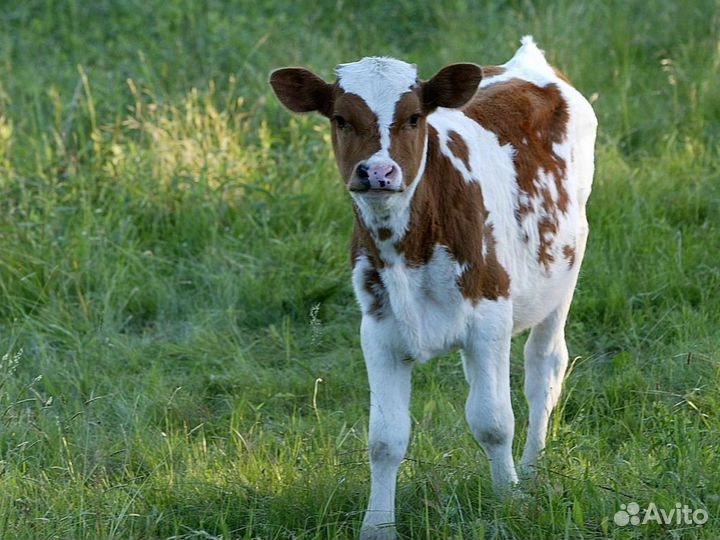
(527, 471)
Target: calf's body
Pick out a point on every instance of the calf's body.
(469, 198)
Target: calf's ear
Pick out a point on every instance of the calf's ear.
(452, 86)
(301, 90)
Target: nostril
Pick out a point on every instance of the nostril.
(362, 172)
(390, 172)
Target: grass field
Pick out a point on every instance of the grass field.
(179, 340)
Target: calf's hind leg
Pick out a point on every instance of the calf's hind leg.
(546, 360)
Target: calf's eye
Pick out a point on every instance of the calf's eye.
(413, 121)
(340, 122)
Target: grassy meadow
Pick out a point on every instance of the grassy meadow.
(179, 342)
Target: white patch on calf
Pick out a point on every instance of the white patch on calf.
(426, 302)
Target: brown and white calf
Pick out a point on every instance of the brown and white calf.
(469, 193)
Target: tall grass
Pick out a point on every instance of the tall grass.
(177, 330)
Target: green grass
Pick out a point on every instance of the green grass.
(180, 337)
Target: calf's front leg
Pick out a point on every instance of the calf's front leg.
(389, 377)
(486, 361)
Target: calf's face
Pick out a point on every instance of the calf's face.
(378, 110)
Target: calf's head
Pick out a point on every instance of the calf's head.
(378, 109)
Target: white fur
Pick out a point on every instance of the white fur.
(389, 376)
(488, 410)
(427, 315)
(428, 312)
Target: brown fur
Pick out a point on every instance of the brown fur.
(492, 71)
(363, 243)
(406, 142)
(301, 90)
(375, 287)
(384, 233)
(569, 254)
(459, 148)
(446, 210)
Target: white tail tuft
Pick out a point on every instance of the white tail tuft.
(530, 59)
(527, 40)
(530, 49)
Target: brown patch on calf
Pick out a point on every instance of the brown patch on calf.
(492, 71)
(569, 254)
(375, 287)
(450, 212)
(363, 244)
(459, 148)
(547, 229)
(406, 141)
(531, 118)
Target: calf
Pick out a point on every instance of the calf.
(469, 194)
